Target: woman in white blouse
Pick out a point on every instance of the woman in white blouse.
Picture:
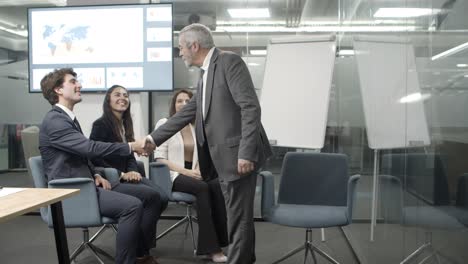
(179, 153)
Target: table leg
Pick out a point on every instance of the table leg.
(60, 233)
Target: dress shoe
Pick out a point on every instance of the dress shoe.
(219, 258)
(147, 260)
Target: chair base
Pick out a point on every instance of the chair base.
(87, 244)
(427, 246)
(189, 219)
(308, 247)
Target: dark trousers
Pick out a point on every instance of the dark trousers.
(239, 196)
(137, 208)
(211, 211)
(163, 199)
(239, 203)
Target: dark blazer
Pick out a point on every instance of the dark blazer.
(232, 116)
(102, 131)
(66, 152)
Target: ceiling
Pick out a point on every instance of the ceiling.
(429, 34)
(288, 17)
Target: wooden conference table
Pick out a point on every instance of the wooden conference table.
(29, 199)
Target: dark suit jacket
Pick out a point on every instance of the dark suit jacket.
(102, 131)
(66, 151)
(232, 116)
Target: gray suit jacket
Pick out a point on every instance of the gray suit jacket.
(66, 151)
(232, 116)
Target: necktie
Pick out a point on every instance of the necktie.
(75, 121)
(199, 124)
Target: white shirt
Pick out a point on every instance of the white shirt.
(174, 151)
(205, 66)
(68, 111)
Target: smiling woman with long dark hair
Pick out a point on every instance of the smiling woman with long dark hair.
(116, 125)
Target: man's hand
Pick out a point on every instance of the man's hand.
(195, 173)
(100, 181)
(138, 147)
(244, 167)
(149, 146)
(143, 147)
(131, 176)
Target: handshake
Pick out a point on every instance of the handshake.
(143, 147)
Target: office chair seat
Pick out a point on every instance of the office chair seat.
(430, 217)
(309, 216)
(107, 220)
(183, 197)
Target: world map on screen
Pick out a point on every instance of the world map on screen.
(63, 35)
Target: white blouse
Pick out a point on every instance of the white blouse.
(173, 149)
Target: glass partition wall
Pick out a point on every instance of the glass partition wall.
(397, 109)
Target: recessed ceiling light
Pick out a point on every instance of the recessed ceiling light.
(346, 52)
(253, 64)
(405, 12)
(249, 12)
(258, 52)
(462, 65)
(415, 97)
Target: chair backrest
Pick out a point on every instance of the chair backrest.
(30, 142)
(37, 172)
(79, 211)
(159, 174)
(422, 174)
(40, 181)
(314, 179)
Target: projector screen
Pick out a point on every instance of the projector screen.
(128, 45)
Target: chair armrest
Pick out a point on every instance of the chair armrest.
(352, 183)
(71, 183)
(159, 175)
(82, 209)
(268, 193)
(111, 174)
